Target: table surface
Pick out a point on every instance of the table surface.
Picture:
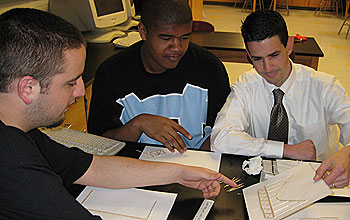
(234, 41)
(227, 206)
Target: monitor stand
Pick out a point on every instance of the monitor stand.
(125, 26)
(103, 35)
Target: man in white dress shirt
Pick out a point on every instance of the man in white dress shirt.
(315, 102)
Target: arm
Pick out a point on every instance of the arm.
(305, 150)
(335, 170)
(123, 172)
(230, 132)
(206, 144)
(157, 127)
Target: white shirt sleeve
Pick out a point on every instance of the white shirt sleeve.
(337, 105)
(229, 134)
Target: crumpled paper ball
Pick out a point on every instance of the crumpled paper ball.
(253, 166)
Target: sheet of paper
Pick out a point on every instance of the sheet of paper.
(323, 211)
(263, 202)
(291, 190)
(284, 165)
(127, 203)
(205, 159)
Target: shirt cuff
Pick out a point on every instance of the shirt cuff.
(274, 149)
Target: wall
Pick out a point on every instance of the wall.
(6, 5)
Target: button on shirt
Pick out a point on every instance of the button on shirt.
(315, 103)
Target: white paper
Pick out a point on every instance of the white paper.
(252, 166)
(210, 160)
(323, 211)
(126, 204)
(284, 165)
(299, 187)
(274, 208)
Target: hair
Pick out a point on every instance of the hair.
(32, 43)
(167, 11)
(264, 24)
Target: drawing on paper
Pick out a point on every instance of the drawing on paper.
(157, 153)
(271, 206)
(119, 214)
(321, 218)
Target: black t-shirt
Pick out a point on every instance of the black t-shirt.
(192, 93)
(34, 172)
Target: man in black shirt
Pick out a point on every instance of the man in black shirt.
(42, 58)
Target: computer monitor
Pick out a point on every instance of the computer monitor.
(130, 8)
(97, 19)
(131, 22)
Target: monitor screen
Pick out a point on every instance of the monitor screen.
(100, 20)
(105, 7)
(90, 15)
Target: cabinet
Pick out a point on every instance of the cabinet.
(88, 93)
(76, 116)
(197, 9)
(224, 1)
(313, 3)
(296, 3)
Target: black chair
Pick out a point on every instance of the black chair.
(202, 26)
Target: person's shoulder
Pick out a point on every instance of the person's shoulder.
(9, 132)
(248, 81)
(15, 142)
(249, 77)
(127, 54)
(306, 73)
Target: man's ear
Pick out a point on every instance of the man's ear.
(142, 30)
(28, 88)
(290, 44)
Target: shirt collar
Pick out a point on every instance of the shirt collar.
(285, 86)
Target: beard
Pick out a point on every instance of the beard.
(55, 124)
(41, 114)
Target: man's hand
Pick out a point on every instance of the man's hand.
(206, 180)
(335, 170)
(163, 130)
(303, 151)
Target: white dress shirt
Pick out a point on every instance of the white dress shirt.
(315, 103)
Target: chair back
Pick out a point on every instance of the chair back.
(202, 26)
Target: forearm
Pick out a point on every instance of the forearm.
(237, 142)
(206, 144)
(305, 150)
(124, 172)
(127, 132)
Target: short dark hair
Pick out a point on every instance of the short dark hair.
(264, 24)
(167, 11)
(32, 43)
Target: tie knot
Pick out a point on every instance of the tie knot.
(278, 95)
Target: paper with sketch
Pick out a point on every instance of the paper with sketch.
(282, 195)
(205, 159)
(283, 165)
(127, 203)
(291, 190)
(323, 211)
